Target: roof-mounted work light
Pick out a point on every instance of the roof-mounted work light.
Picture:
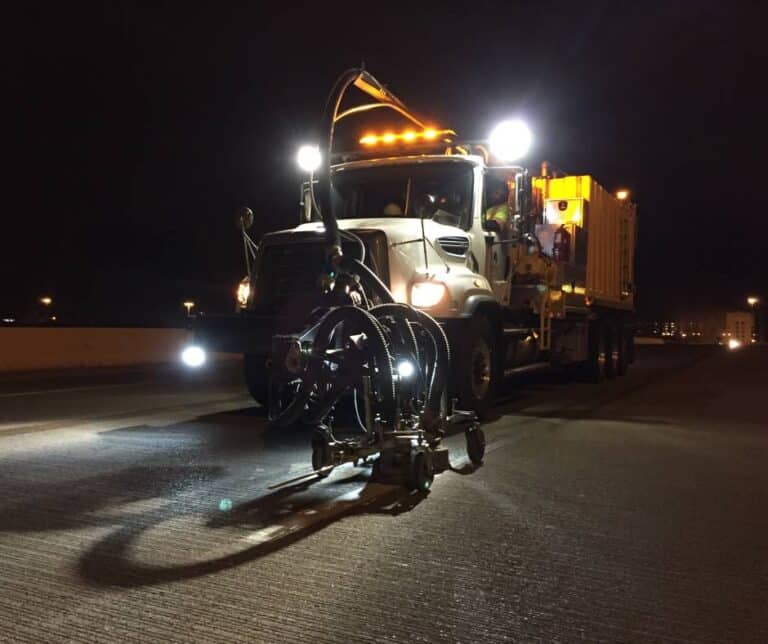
(309, 158)
(510, 141)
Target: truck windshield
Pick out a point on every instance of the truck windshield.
(405, 191)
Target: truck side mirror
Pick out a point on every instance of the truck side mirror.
(244, 218)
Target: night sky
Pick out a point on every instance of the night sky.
(136, 130)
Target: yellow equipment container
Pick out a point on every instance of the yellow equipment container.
(610, 226)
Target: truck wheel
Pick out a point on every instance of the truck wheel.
(595, 367)
(612, 339)
(257, 377)
(624, 338)
(476, 373)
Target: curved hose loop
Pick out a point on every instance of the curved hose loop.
(332, 236)
(360, 320)
(400, 314)
(349, 235)
(442, 363)
(439, 379)
(369, 279)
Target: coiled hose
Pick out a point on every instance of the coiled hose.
(439, 379)
(361, 321)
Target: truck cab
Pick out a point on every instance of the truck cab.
(521, 272)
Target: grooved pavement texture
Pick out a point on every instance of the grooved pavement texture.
(635, 511)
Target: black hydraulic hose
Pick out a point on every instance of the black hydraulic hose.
(400, 314)
(369, 279)
(442, 363)
(439, 378)
(348, 234)
(327, 126)
(358, 319)
(401, 319)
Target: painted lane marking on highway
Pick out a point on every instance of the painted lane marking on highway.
(262, 536)
(40, 392)
(153, 417)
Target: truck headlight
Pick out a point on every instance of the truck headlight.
(425, 295)
(244, 292)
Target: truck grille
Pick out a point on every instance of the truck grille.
(454, 245)
(290, 272)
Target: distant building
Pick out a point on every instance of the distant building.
(739, 325)
(668, 329)
(703, 327)
(710, 327)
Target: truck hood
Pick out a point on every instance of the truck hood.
(397, 229)
(405, 252)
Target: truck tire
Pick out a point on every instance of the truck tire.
(476, 366)
(612, 342)
(595, 366)
(257, 377)
(624, 339)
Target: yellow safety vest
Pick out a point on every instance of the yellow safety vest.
(498, 213)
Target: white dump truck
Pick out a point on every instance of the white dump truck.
(521, 271)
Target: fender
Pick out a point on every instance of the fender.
(473, 302)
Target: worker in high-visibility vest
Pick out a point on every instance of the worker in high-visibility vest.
(498, 209)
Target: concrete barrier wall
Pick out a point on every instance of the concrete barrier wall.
(25, 349)
(644, 340)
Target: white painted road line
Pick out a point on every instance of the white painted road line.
(40, 392)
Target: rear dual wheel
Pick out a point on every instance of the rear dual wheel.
(595, 368)
(609, 351)
(612, 344)
(625, 350)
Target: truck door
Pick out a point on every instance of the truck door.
(498, 221)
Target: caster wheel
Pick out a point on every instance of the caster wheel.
(421, 474)
(321, 457)
(475, 445)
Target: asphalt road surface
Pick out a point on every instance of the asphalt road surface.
(136, 506)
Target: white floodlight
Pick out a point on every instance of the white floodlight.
(309, 158)
(510, 140)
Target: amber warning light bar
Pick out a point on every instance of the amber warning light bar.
(409, 136)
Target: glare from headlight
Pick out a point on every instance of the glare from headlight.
(193, 356)
(733, 343)
(243, 293)
(427, 294)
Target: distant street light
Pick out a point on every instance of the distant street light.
(622, 195)
(46, 301)
(188, 305)
(753, 301)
